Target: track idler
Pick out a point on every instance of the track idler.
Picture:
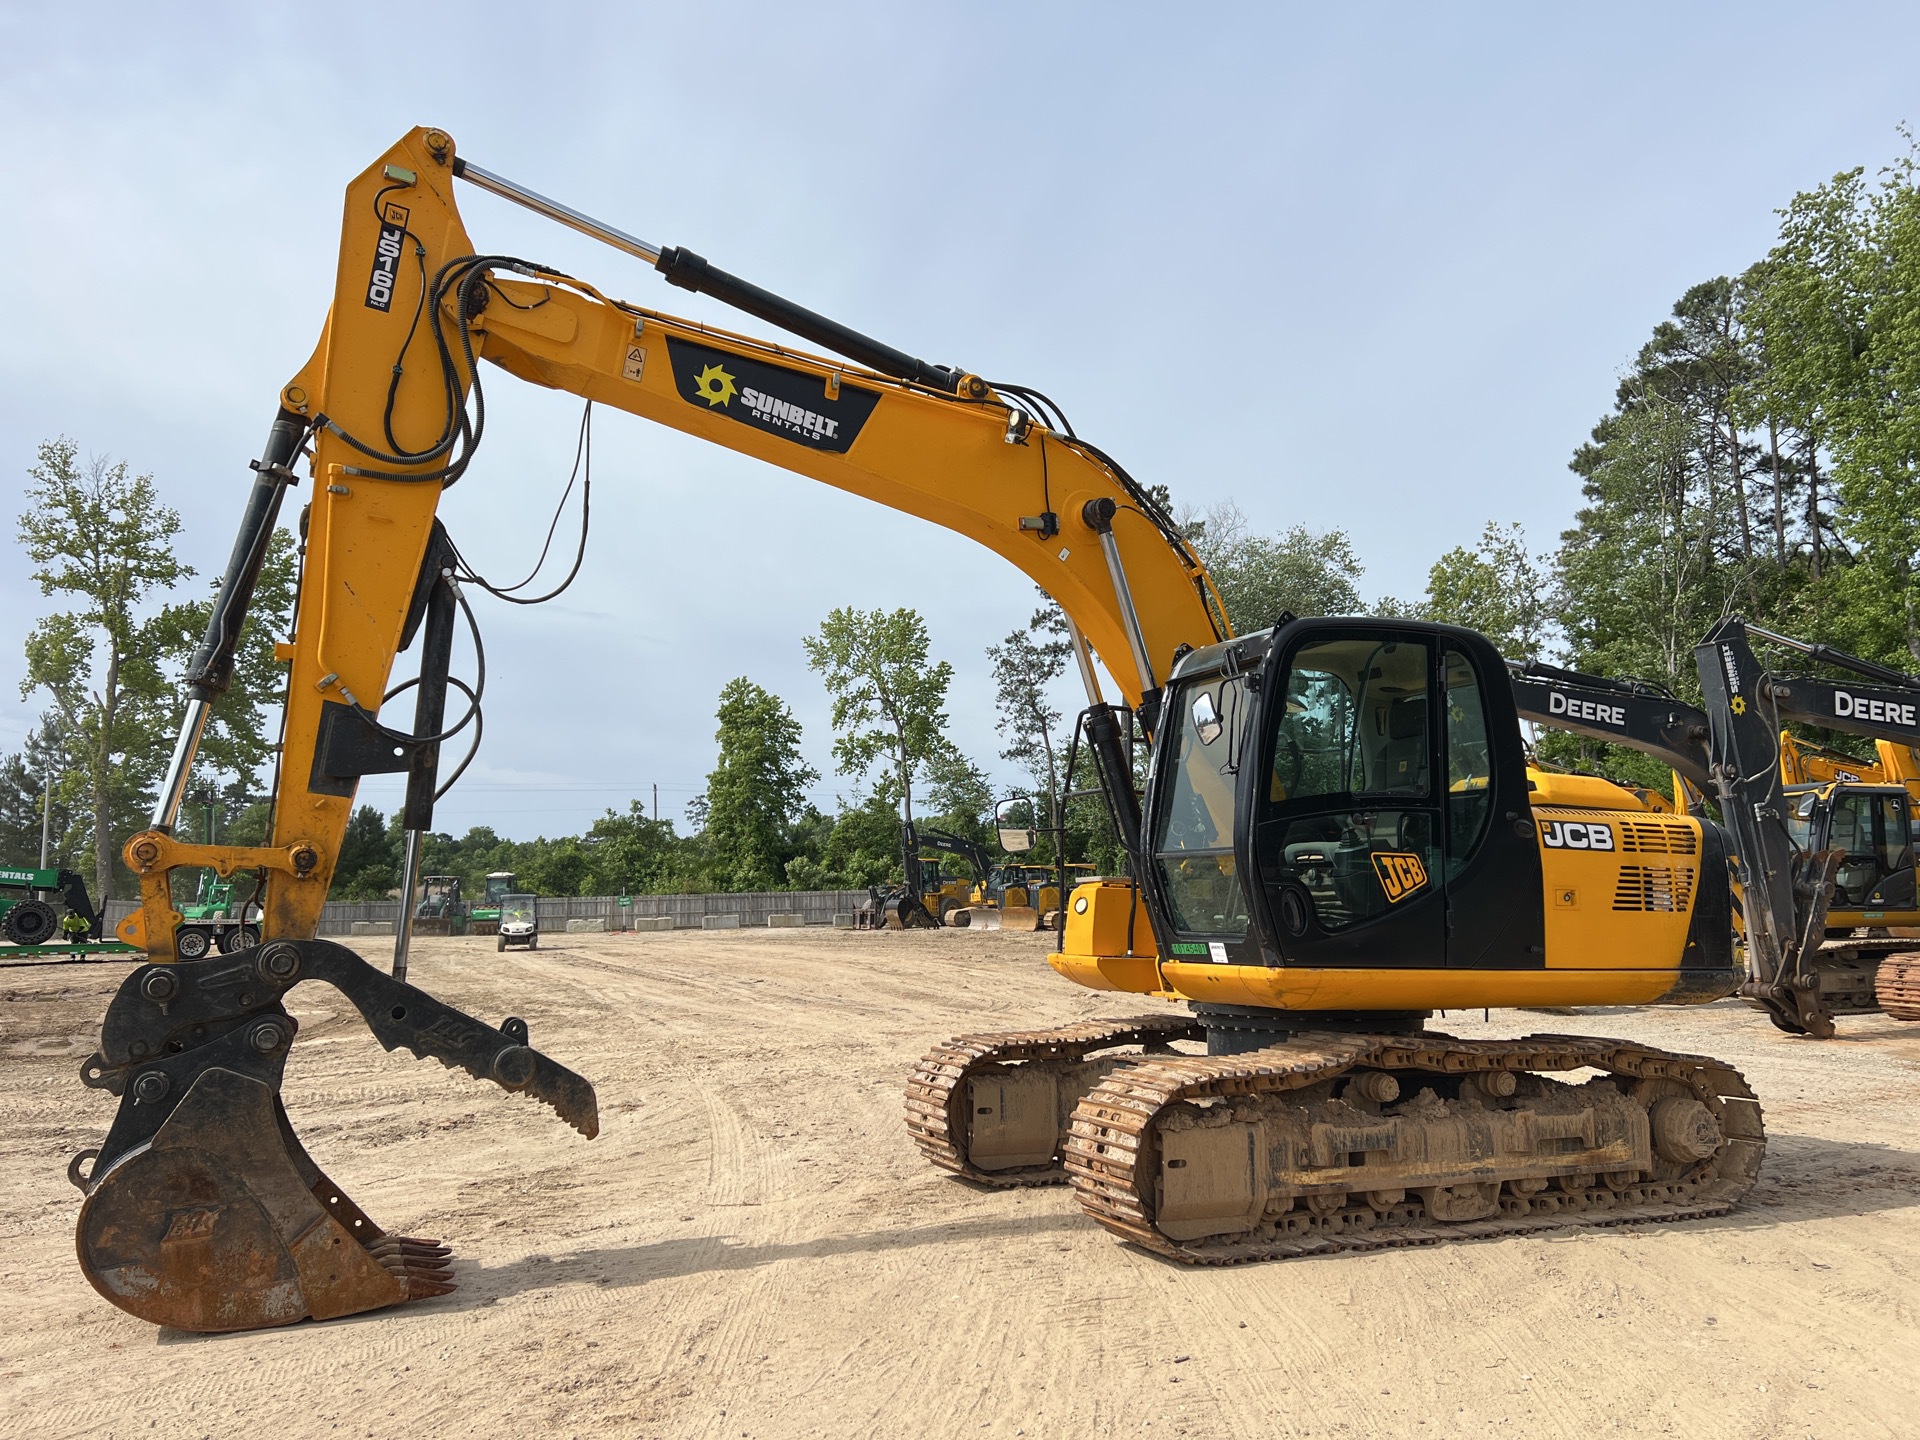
(203, 1211)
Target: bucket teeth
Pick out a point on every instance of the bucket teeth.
(407, 1246)
(425, 1284)
(423, 1268)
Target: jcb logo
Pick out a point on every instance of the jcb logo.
(449, 1029)
(191, 1224)
(1576, 835)
(1400, 875)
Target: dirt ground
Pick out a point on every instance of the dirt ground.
(752, 1247)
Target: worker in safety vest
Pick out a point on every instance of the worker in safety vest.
(73, 927)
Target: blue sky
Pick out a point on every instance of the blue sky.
(1367, 267)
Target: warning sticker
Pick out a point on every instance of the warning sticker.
(635, 365)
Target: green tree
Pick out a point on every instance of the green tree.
(959, 797)
(99, 536)
(557, 867)
(864, 846)
(757, 790)
(1836, 309)
(1258, 576)
(1667, 542)
(238, 741)
(23, 778)
(889, 700)
(1025, 666)
(634, 853)
(369, 862)
(1497, 588)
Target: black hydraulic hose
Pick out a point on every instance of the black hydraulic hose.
(1536, 670)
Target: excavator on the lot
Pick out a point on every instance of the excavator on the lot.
(992, 895)
(1337, 836)
(1823, 844)
(929, 898)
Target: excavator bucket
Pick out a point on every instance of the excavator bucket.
(203, 1211)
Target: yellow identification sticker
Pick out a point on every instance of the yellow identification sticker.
(1400, 875)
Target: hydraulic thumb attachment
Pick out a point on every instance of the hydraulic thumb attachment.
(203, 1211)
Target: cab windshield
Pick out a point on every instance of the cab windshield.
(1193, 832)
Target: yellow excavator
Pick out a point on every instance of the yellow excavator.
(1338, 835)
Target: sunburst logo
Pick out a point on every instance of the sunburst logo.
(1739, 705)
(714, 385)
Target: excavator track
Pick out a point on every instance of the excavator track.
(1897, 986)
(1036, 1077)
(1271, 1154)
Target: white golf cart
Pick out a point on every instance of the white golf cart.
(519, 922)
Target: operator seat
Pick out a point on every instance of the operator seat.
(1858, 870)
(1400, 765)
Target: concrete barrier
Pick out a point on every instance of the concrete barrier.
(843, 919)
(652, 924)
(372, 927)
(785, 922)
(593, 925)
(719, 922)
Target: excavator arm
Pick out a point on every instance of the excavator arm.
(922, 838)
(202, 1209)
(1787, 890)
(1621, 712)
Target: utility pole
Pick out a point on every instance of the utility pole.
(46, 818)
(656, 806)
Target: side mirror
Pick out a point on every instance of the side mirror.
(1206, 719)
(1016, 842)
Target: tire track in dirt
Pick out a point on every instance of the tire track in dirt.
(888, 1301)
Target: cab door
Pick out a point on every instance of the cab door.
(1348, 816)
(1390, 828)
(1496, 911)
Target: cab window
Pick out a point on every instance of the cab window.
(1469, 761)
(1872, 832)
(1355, 722)
(1194, 830)
(1351, 794)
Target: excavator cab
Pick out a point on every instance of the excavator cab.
(1872, 828)
(1345, 793)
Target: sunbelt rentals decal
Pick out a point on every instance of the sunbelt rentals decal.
(1738, 704)
(789, 403)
